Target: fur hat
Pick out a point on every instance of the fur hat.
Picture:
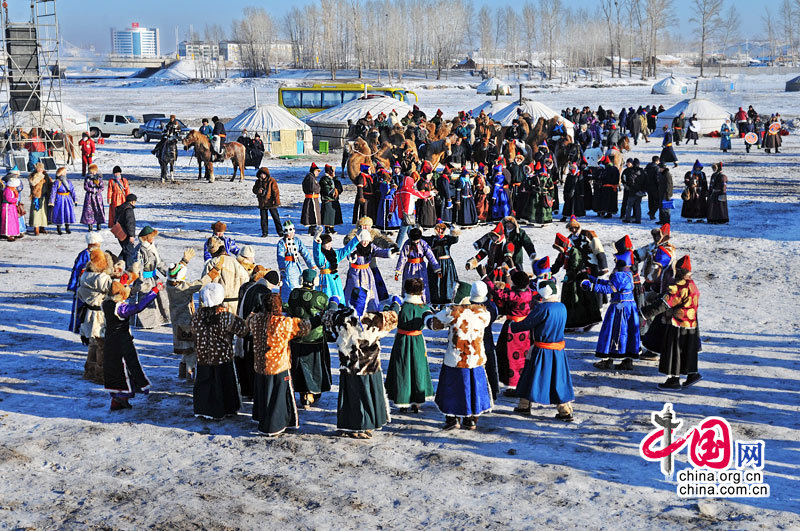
(364, 236)
(661, 234)
(247, 253)
(309, 277)
(94, 238)
(119, 291)
(219, 226)
(177, 272)
(413, 286)
(520, 279)
(212, 294)
(13, 182)
(365, 221)
(92, 167)
(415, 234)
(684, 263)
(214, 244)
(129, 277)
(258, 273)
(98, 261)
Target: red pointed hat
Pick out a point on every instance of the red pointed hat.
(313, 166)
(623, 244)
(499, 229)
(665, 228)
(685, 263)
(562, 243)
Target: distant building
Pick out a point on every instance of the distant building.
(135, 42)
(198, 50)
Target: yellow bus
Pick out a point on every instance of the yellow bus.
(303, 101)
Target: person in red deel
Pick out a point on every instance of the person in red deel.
(88, 150)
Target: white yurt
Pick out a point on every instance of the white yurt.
(75, 122)
(282, 133)
(492, 85)
(710, 115)
(793, 85)
(491, 106)
(670, 85)
(537, 110)
(331, 124)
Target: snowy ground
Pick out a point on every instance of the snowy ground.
(67, 462)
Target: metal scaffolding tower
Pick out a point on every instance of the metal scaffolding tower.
(30, 88)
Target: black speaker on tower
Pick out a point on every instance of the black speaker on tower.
(22, 66)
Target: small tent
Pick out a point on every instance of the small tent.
(331, 124)
(670, 85)
(710, 115)
(490, 107)
(793, 85)
(493, 85)
(506, 115)
(75, 122)
(282, 133)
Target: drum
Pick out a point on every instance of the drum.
(751, 138)
(775, 128)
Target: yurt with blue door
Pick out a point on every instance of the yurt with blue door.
(282, 133)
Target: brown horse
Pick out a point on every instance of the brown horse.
(436, 151)
(63, 141)
(234, 151)
(359, 153)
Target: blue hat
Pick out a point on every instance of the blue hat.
(663, 257)
(464, 172)
(364, 168)
(541, 267)
(497, 168)
(697, 165)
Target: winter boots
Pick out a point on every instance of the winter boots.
(565, 412)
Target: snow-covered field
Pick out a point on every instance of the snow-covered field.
(67, 462)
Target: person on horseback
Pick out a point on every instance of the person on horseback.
(206, 129)
(218, 139)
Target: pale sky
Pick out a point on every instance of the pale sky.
(88, 22)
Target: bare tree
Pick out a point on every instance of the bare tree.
(769, 26)
(728, 31)
(485, 19)
(550, 12)
(789, 18)
(658, 16)
(706, 16)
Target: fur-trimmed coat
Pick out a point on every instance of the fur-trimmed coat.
(359, 341)
(93, 289)
(465, 349)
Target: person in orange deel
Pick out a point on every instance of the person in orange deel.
(118, 190)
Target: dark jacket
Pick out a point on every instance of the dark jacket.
(665, 184)
(126, 217)
(219, 128)
(266, 190)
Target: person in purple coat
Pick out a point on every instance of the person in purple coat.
(93, 208)
(62, 198)
(360, 274)
(411, 263)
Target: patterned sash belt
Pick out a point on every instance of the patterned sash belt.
(359, 266)
(312, 196)
(409, 332)
(415, 260)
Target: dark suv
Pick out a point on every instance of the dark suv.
(153, 128)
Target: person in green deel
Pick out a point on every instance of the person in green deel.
(311, 359)
(408, 380)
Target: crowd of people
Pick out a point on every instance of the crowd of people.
(264, 335)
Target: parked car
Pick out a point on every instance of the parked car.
(153, 129)
(115, 124)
